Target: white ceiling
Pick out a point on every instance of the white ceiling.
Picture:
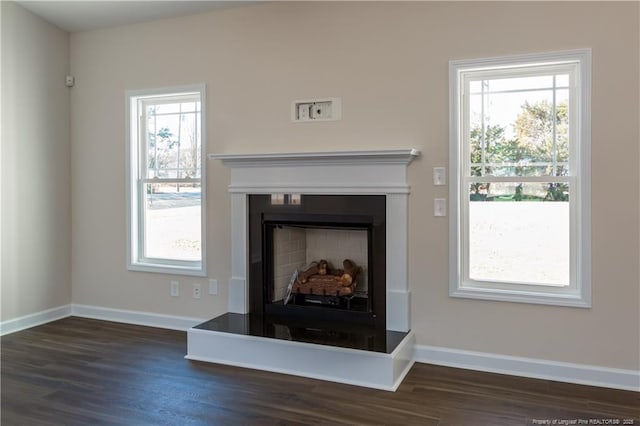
(84, 15)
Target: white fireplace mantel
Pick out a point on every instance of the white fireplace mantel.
(382, 172)
(399, 156)
(332, 172)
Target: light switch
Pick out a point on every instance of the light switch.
(439, 176)
(439, 207)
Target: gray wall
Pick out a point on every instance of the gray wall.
(36, 188)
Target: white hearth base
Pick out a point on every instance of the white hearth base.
(350, 366)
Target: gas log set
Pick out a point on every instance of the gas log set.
(321, 279)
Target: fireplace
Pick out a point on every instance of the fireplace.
(289, 210)
(291, 234)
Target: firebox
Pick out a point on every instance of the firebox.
(318, 257)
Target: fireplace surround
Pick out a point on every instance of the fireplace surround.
(285, 176)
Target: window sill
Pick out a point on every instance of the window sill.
(573, 300)
(167, 269)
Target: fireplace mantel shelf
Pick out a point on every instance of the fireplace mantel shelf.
(386, 156)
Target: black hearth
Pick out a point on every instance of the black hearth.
(288, 233)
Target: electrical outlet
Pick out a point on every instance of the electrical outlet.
(196, 290)
(175, 288)
(213, 287)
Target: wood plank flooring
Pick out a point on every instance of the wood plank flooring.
(86, 372)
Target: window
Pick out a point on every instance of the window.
(166, 180)
(520, 188)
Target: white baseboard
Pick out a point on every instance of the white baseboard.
(528, 367)
(32, 320)
(136, 317)
(97, 312)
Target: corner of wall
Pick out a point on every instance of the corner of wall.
(36, 224)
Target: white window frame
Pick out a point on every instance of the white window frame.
(135, 259)
(578, 293)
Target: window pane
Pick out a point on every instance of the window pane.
(516, 234)
(172, 225)
(163, 146)
(173, 143)
(562, 80)
(189, 147)
(522, 132)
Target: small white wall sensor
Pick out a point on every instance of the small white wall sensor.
(69, 81)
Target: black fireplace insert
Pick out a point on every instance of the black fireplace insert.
(290, 235)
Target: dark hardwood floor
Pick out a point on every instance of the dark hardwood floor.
(85, 372)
